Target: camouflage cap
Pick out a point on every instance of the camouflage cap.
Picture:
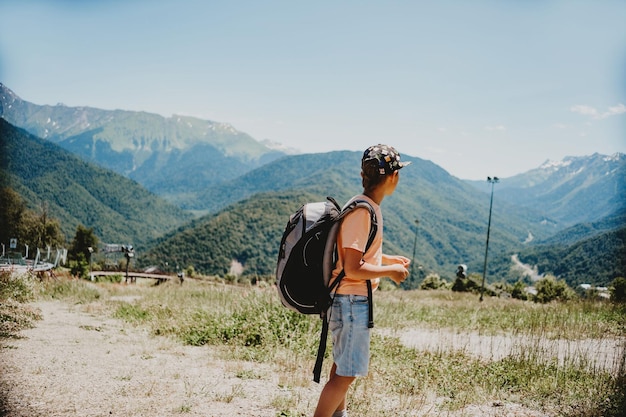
(386, 157)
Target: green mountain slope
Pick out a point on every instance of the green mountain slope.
(452, 216)
(595, 260)
(119, 210)
(246, 233)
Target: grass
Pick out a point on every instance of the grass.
(447, 309)
(14, 315)
(249, 325)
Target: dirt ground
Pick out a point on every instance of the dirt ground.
(76, 363)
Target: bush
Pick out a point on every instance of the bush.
(519, 291)
(550, 289)
(473, 283)
(190, 271)
(115, 279)
(433, 282)
(16, 288)
(80, 267)
(618, 290)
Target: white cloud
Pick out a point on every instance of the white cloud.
(594, 113)
(619, 109)
(584, 110)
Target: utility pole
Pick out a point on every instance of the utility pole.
(492, 181)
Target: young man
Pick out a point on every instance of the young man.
(348, 316)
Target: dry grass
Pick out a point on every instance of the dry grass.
(247, 327)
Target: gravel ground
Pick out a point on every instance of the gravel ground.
(77, 363)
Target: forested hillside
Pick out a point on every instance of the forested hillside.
(247, 233)
(76, 192)
(452, 216)
(597, 260)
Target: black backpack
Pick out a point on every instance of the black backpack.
(307, 257)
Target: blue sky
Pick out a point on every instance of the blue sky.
(478, 87)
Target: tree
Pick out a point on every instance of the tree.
(28, 227)
(41, 230)
(83, 241)
(12, 212)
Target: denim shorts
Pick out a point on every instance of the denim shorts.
(351, 337)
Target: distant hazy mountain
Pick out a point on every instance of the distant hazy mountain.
(571, 191)
(77, 192)
(170, 156)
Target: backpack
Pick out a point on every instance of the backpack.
(307, 257)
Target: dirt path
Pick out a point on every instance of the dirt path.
(601, 354)
(77, 364)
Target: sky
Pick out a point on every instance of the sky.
(481, 88)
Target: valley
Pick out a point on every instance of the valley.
(195, 193)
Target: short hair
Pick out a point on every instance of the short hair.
(370, 175)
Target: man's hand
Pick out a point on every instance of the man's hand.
(398, 272)
(397, 259)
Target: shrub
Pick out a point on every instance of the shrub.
(550, 289)
(190, 271)
(473, 283)
(13, 287)
(618, 290)
(519, 291)
(433, 282)
(79, 267)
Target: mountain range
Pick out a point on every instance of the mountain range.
(172, 157)
(242, 191)
(571, 191)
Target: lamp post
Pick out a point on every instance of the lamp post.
(417, 223)
(129, 254)
(90, 249)
(492, 181)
